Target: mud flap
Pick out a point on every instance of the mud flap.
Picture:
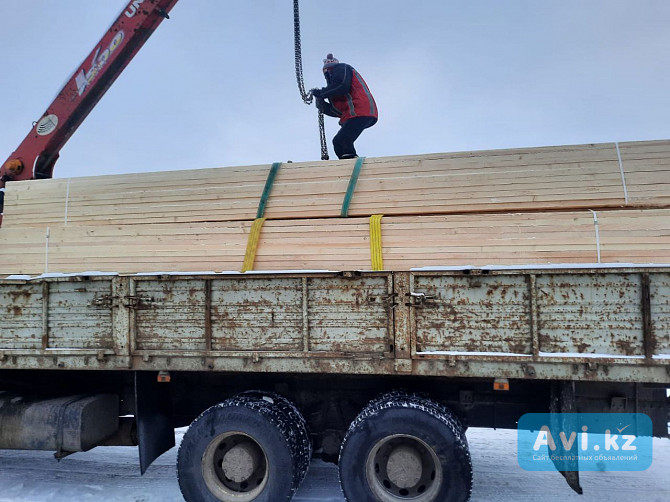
(153, 413)
(563, 401)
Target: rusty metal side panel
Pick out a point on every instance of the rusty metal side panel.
(472, 314)
(660, 312)
(21, 316)
(170, 314)
(260, 313)
(256, 313)
(80, 315)
(590, 314)
(350, 314)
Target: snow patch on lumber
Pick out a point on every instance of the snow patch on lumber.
(546, 266)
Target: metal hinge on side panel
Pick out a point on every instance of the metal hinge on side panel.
(388, 300)
(104, 301)
(131, 301)
(419, 300)
(139, 302)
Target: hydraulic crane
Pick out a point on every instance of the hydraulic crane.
(38, 152)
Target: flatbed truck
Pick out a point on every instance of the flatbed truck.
(381, 372)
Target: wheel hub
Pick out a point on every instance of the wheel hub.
(234, 466)
(240, 462)
(402, 467)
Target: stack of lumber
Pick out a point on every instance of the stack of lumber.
(607, 203)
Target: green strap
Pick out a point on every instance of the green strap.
(268, 188)
(352, 186)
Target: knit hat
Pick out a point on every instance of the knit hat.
(329, 61)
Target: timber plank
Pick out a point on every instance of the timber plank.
(504, 207)
(626, 236)
(538, 179)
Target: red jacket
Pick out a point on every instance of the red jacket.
(348, 93)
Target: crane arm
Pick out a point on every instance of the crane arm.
(36, 155)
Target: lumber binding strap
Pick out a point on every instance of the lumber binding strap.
(257, 225)
(252, 244)
(269, 182)
(376, 242)
(344, 213)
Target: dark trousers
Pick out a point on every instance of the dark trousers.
(343, 142)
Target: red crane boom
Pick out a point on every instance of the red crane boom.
(36, 155)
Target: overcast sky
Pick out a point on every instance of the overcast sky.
(215, 85)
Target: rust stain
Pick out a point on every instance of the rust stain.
(475, 346)
(518, 347)
(168, 290)
(625, 346)
(19, 295)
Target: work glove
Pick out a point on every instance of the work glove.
(316, 93)
(320, 104)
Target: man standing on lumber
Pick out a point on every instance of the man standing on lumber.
(349, 99)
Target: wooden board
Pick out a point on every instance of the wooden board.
(532, 179)
(550, 205)
(622, 236)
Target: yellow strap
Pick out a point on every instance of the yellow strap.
(252, 244)
(376, 241)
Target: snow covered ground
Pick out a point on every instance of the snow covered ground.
(111, 474)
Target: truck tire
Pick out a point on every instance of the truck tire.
(299, 437)
(405, 447)
(239, 450)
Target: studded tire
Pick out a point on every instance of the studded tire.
(405, 447)
(243, 449)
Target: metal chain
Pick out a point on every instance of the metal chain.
(306, 96)
(322, 136)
